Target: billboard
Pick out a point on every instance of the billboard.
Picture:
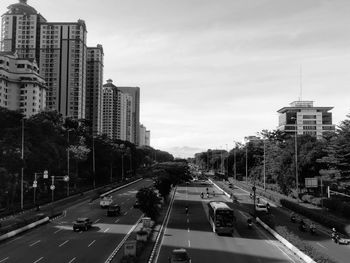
(311, 182)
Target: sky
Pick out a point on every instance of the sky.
(214, 71)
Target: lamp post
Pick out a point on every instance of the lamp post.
(22, 157)
(234, 161)
(246, 164)
(264, 165)
(296, 156)
(68, 158)
(93, 162)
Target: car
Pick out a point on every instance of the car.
(82, 223)
(179, 255)
(113, 210)
(261, 208)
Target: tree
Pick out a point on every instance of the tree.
(163, 185)
(148, 202)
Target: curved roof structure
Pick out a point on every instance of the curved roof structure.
(21, 8)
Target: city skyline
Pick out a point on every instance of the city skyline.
(214, 73)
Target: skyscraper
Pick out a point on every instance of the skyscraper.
(94, 81)
(59, 49)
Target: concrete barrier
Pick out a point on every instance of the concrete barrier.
(25, 228)
(120, 187)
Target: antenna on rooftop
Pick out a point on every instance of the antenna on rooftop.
(301, 83)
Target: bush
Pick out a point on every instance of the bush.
(317, 216)
(317, 201)
(346, 210)
(307, 198)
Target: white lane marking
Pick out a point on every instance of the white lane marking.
(91, 243)
(4, 259)
(36, 242)
(13, 240)
(125, 213)
(38, 260)
(105, 230)
(71, 260)
(116, 221)
(97, 220)
(58, 230)
(321, 245)
(189, 243)
(63, 243)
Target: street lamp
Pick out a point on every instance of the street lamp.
(264, 165)
(93, 161)
(22, 157)
(234, 161)
(296, 155)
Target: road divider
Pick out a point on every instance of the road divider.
(120, 187)
(25, 228)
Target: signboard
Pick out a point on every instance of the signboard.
(311, 182)
(52, 187)
(35, 185)
(130, 248)
(46, 174)
(66, 178)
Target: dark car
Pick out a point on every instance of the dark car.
(113, 210)
(82, 224)
(179, 255)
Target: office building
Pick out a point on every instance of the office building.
(94, 81)
(59, 49)
(21, 86)
(148, 138)
(303, 118)
(144, 136)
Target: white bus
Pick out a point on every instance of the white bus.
(221, 217)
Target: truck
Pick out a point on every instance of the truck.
(106, 201)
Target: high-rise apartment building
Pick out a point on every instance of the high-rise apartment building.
(21, 86)
(144, 136)
(134, 92)
(94, 81)
(59, 49)
(117, 113)
(303, 118)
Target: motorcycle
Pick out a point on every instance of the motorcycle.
(250, 223)
(293, 218)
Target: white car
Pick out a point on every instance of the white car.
(261, 208)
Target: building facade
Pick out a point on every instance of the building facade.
(148, 138)
(144, 136)
(94, 82)
(59, 49)
(21, 86)
(303, 118)
(134, 92)
(117, 113)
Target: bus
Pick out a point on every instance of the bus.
(221, 217)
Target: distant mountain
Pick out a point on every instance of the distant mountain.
(184, 151)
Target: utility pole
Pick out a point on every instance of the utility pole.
(22, 168)
(264, 165)
(93, 161)
(235, 165)
(246, 164)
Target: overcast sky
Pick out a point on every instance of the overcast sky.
(214, 71)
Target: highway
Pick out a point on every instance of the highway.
(56, 241)
(193, 232)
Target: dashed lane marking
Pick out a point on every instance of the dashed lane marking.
(321, 245)
(71, 260)
(4, 259)
(64, 243)
(36, 242)
(97, 220)
(189, 243)
(38, 260)
(57, 231)
(91, 243)
(105, 230)
(116, 221)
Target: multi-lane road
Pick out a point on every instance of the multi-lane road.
(194, 233)
(56, 241)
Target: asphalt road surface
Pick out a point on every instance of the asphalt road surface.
(193, 232)
(56, 241)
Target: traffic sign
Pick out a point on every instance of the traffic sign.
(254, 188)
(66, 178)
(52, 187)
(35, 182)
(35, 185)
(46, 174)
